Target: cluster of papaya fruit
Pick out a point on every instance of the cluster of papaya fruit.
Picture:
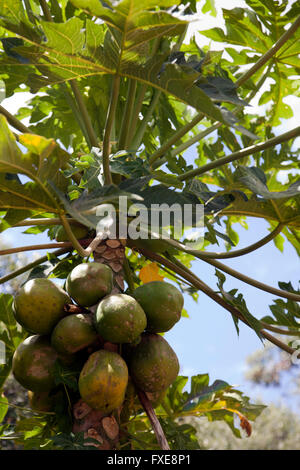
(130, 322)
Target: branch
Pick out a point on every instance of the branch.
(29, 266)
(241, 154)
(84, 114)
(270, 53)
(143, 125)
(128, 275)
(242, 251)
(44, 221)
(29, 12)
(46, 11)
(200, 285)
(72, 237)
(92, 138)
(108, 127)
(253, 282)
(137, 108)
(14, 122)
(44, 246)
(156, 426)
(175, 137)
(231, 254)
(196, 138)
(280, 331)
(127, 115)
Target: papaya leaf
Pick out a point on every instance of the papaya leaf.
(252, 179)
(124, 50)
(3, 407)
(285, 312)
(219, 401)
(280, 210)
(239, 302)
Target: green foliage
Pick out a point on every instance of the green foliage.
(239, 302)
(11, 334)
(57, 166)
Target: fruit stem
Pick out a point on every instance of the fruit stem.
(156, 426)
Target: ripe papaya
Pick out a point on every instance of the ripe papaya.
(103, 381)
(80, 231)
(120, 319)
(162, 303)
(153, 364)
(39, 305)
(33, 363)
(73, 333)
(87, 283)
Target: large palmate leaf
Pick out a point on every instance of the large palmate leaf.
(237, 300)
(285, 312)
(254, 179)
(75, 49)
(43, 163)
(218, 401)
(281, 210)
(256, 31)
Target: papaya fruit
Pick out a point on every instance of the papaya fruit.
(153, 364)
(87, 283)
(162, 303)
(40, 401)
(120, 319)
(73, 333)
(33, 364)
(39, 305)
(156, 398)
(80, 231)
(103, 381)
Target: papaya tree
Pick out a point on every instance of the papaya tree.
(121, 94)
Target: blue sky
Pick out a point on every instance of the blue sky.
(207, 341)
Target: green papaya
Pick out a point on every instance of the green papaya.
(87, 283)
(73, 333)
(39, 305)
(153, 364)
(120, 319)
(40, 401)
(33, 364)
(103, 381)
(162, 303)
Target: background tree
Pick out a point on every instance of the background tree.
(116, 104)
